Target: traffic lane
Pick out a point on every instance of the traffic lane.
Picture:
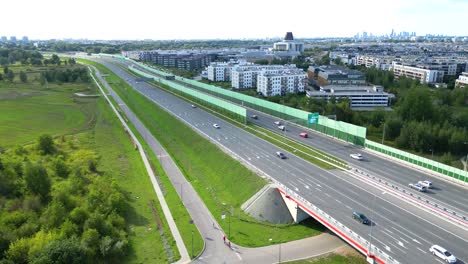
(290, 128)
(448, 193)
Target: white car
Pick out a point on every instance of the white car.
(418, 187)
(426, 184)
(194, 106)
(216, 126)
(277, 123)
(357, 156)
(443, 254)
(281, 128)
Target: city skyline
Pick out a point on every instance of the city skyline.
(207, 19)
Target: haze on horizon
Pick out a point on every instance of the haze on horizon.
(242, 19)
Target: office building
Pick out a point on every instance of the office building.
(359, 96)
(281, 82)
(413, 72)
(336, 75)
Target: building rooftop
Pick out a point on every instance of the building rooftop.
(289, 36)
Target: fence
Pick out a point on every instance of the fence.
(419, 161)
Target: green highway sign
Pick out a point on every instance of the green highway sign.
(313, 118)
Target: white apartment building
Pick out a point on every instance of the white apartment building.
(359, 96)
(220, 71)
(423, 75)
(462, 80)
(373, 61)
(281, 82)
(289, 44)
(245, 76)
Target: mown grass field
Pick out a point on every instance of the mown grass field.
(29, 110)
(214, 175)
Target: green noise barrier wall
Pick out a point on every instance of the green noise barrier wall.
(201, 97)
(338, 129)
(420, 161)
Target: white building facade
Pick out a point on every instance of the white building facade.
(281, 82)
(219, 71)
(462, 80)
(245, 76)
(359, 96)
(423, 75)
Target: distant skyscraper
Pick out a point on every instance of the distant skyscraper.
(13, 39)
(392, 34)
(364, 35)
(25, 39)
(3, 39)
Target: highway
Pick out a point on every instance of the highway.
(403, 231)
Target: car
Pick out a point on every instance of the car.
(361, 218)
(304, 135)
(280, 155)
(357, 156)
(216, 126)
(426, 184)
(194, 106)
(418, 187)
(254, 116)
(277, 123)
(281, 127)
(442, 253)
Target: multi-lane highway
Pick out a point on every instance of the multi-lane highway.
(403, 231)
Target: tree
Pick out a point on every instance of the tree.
(66, 251)
(417, 105)
(10, 75)
(5, 69)
(23, 76)
(46, 144)
(37, 180)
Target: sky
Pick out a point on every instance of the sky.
(221, 19)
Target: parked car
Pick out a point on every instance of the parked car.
(254, 116)
(418, 187)
(281, 127)
(277, 123)
(280, 155)
(304, 135)
(216, 126)
(426, 184)
(443, 254)
(361, 218)
(357, 156)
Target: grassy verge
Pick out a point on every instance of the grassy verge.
(214, 175)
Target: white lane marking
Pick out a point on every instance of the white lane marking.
(296, 189)
(384, 192)
(389, 231)
(237, 254)
(401, 244)
(249, 158)
(338, 201)
(327, 195)
(404, 240)
(421, 250)
(414, 240)
(318, 185)
(349, 207)
(307, 187)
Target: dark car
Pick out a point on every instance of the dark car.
(361, 218)
(280, 155)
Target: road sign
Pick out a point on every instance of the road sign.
(313, 118)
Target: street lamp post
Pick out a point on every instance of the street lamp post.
(192, 243)
(383, 133)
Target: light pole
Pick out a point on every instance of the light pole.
(371, 226)
(383, 133)
(432, 150)
(192, 243)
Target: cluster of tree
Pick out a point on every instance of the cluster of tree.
(57, 208)
(79, 74)
(14, 55)
(9, 74)
(299, 61)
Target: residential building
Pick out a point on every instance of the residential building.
(382, 63)
(336, 75)
(288, 44)
(462, 80)
(221, 71)
(182, 61)
(281, 82)
(245, 76)
(359, 96)
(413, 72)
